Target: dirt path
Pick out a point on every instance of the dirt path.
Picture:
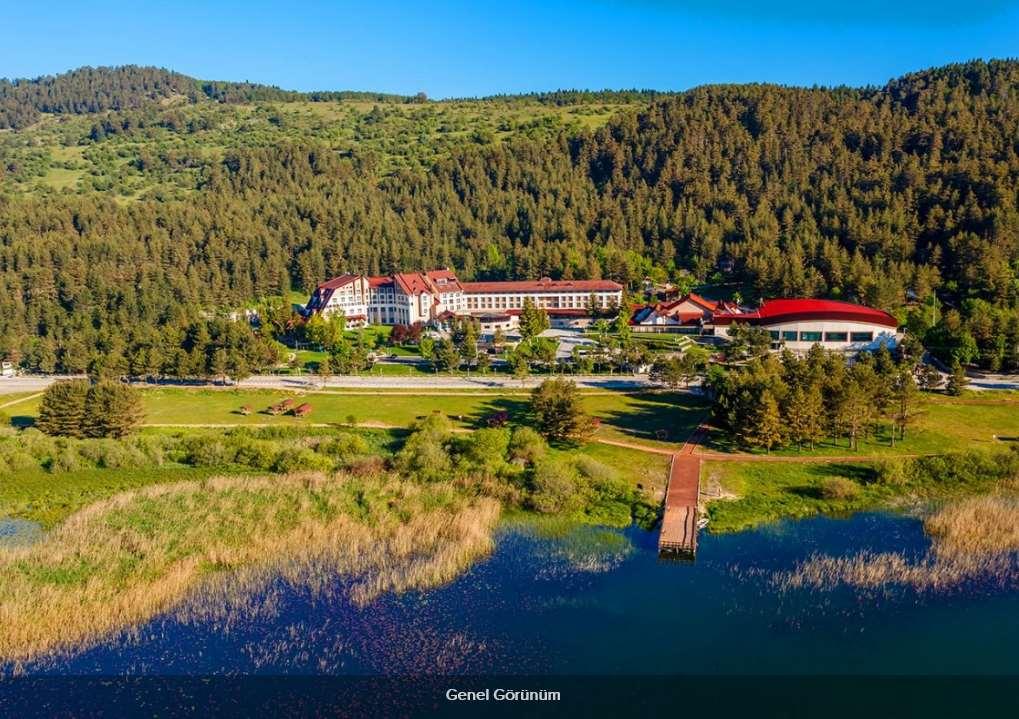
(632, 445)
(20, 400)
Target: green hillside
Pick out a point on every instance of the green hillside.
(134, 204)
(142, 132)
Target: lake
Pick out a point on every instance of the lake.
(600, 601)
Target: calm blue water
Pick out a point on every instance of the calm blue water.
(600, 601)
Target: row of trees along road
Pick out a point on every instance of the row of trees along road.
(773, 401)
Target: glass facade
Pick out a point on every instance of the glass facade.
(836, 336)
(810, 336)
(862, 336)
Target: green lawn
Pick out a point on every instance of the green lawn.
(768, 491)
(645, 471)
(660, 419)
(944, 424)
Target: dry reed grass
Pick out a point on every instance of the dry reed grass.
(122, 561)
(971, 539)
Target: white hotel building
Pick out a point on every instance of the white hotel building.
(408, 298)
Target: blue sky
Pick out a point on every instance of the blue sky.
(486, 47)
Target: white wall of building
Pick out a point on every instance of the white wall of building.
(801, 335)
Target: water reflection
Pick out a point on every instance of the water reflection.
(556, 599)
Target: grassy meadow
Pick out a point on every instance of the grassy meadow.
(659, 419)
(750, 493)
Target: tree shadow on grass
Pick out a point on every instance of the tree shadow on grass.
(656, 417)
(514, 410)
(22, 421)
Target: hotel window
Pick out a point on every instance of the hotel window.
(862, 336)
(836, 336)
(810, 336)
(789, 335)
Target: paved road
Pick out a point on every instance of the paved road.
(10, 385)
(33, 383)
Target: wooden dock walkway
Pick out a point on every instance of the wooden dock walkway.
(678, 536)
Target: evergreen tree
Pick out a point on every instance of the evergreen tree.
(533, 320)
(62, 408)
(558, 411)
(113, 410)
(957, 380)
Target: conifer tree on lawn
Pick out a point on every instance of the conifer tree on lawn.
(557, 410)
(957, 380)
(62, 410)
(113, 409)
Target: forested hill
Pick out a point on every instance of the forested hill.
(883, 195)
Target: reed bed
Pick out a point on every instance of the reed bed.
(973, 539)
(119, 562)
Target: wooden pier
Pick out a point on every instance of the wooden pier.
(678, 536)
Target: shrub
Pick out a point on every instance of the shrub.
(301, 410)
(66, 459)
(17, 459)
(207, 451)
(351, 420)
(345, 446)
(556, 487)
(152, 447)
(111, 454)
(256, 453)
(893, 472)
(292, 460)
(485, 450)
(839, 488)
(424, 455)
(527, 446)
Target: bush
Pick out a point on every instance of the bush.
(207, 451)
(424, 455)
(152, 447)
(292, 460)
(556, 487)
(485, 450)
(16, 459)
(256, 453)
(66, 459)
(527, 446)
(367, 467)
(839, 488)
(893, 472)
(345, 446)
(111, 454)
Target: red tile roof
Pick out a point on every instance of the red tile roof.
(444, 281)
(790, 310)
(337, 282)
(542, 285)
